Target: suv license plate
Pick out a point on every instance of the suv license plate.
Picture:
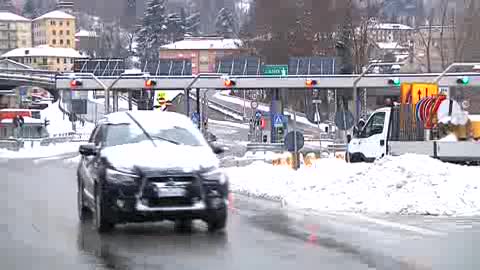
(171, 192)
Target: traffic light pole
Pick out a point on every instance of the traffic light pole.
(450, 67)
(356, 111)
(186, 90)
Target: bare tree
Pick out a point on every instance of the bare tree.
(443, 25)
(425, 36)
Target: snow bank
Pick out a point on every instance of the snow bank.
(239, 101)
(59, 123)
(409, 184)
(41, 151)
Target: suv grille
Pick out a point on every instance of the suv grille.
(166, 179)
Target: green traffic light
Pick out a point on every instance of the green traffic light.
(395, 81)
(465, 80)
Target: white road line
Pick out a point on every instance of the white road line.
(396, 225)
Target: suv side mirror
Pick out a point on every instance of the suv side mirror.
(88, 149)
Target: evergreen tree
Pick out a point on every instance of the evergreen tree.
(175, 27)
(29, 9)
(153, 31)
(225, 23)
(192, 24)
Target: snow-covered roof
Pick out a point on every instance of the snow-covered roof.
(9, 16)
(56, 14)
(43, 50)
(391, 26)
(85, 33)
(390, 46)
(204, 44)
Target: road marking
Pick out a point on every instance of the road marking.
(396, 225)
(59, 157)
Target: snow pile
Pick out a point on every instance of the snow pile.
(59, 123)
(41, 151)
(408, 184)
(239, 101)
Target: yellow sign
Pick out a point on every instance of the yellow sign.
(412, 93)
(161, 95)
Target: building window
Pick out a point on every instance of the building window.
(71, 60)
(53, 23)
(61, 41)
(24, 43)
(54, 32)
(61, 32)
(68, 41)
(45, 61)
(68, 23)
(35, 60)
(68, 32)
(61, 23)
(64, 60)
(58, 60)
(54, 41)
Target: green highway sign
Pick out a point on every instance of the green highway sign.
(275, 70)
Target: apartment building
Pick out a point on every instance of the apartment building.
(15, 31)
(55, 29)
(45, 57)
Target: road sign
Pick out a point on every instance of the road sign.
(258, 114)
(344, 120)
(254, 105)
(275, 70)
(278, 120)
(317, 101)
(195, 118)
(23, 91)
(79, 106)
(290, 143)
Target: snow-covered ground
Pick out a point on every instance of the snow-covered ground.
(59, 123)
(224, 95)
(41, 151)
(409, 184)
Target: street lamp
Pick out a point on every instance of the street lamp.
(357, 80)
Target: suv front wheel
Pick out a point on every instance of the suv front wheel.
(101, 220)
(217, 219)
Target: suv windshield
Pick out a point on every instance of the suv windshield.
(131, 133)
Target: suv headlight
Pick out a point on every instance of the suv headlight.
(215, 175)
(114, 176)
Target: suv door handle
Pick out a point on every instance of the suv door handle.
(382, 142)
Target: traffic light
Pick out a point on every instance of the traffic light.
(150, 83)
(229, 83)
(75, 83)
(394, 81)
(310, 83)
(463, 80)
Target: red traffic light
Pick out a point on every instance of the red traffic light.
(229, 83)
(150, 83)
(75, 83)
(311, 83)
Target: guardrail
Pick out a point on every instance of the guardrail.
(266, 147)
(17, 144)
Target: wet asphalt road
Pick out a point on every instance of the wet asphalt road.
(40, 230)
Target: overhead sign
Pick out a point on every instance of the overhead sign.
(412, 93)
(290, 141)
(278, 120)
(275, 70)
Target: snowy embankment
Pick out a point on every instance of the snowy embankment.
(409, 184)
(223, 95)
(59, 123)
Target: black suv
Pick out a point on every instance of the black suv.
(150, 166)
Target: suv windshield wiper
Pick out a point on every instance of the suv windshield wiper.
(143, 129)
(166, 139)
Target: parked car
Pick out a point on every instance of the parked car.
(150, 166)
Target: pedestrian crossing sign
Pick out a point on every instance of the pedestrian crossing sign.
(278, 120)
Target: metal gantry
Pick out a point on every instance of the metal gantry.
(214, 81)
